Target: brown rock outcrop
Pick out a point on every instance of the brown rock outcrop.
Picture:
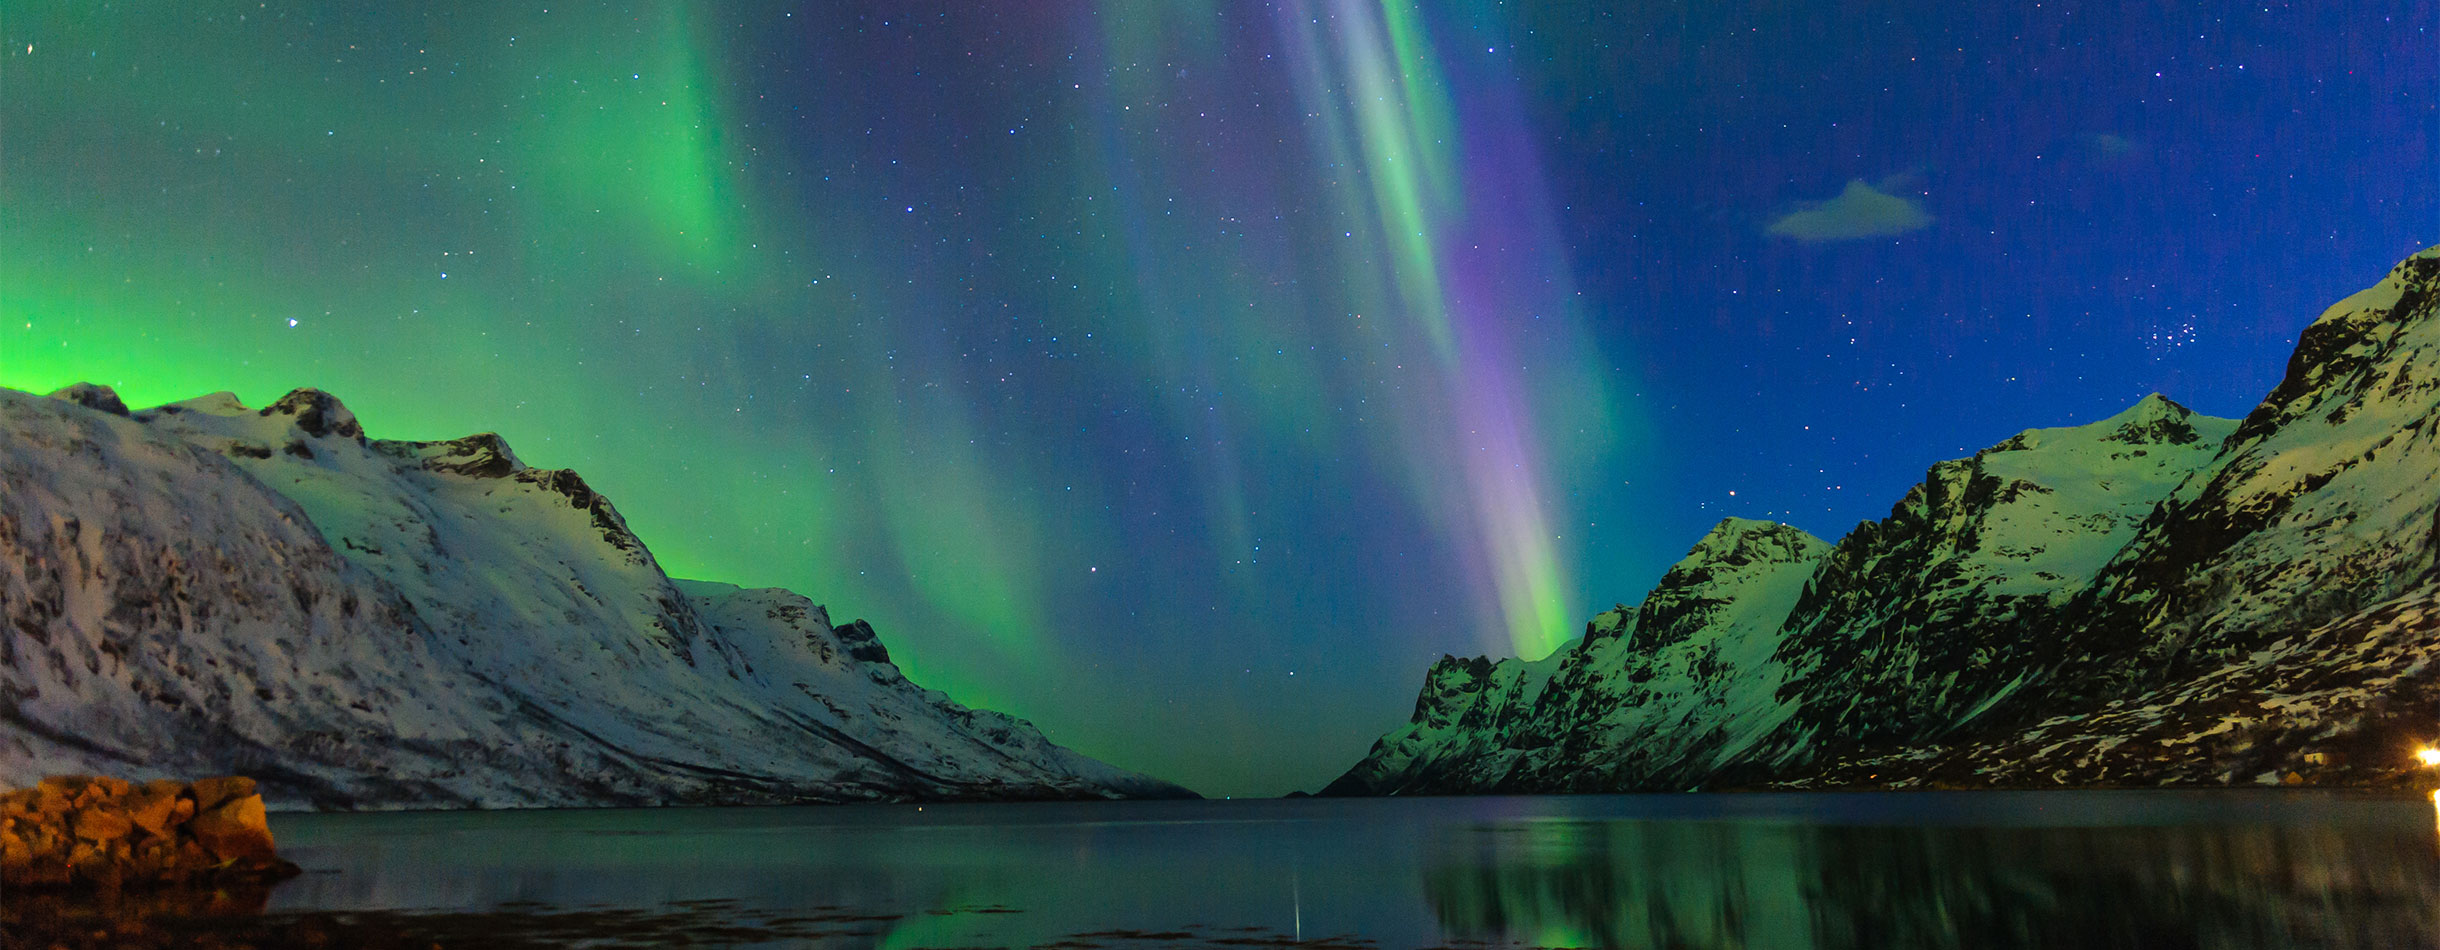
(80, 831)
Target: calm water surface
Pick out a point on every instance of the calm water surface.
(2050, 869)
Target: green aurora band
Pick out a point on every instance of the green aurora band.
(1083, 430)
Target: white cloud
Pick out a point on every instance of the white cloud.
(2108, 148)
(1861, 211)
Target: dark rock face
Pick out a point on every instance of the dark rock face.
(482, 455)
(93, 396)
(580, 496)
(2156, 598)
(317, 414)
(862, 643)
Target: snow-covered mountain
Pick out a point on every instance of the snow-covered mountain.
(1920, 623)
(1665, 688)
(203, 588)
(2158, 597)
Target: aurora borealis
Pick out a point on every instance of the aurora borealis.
(1185, 377)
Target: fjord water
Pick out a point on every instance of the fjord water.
(1929, 869)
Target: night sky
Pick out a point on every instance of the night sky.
(1186, 376)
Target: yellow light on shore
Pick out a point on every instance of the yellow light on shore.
(2428, 755)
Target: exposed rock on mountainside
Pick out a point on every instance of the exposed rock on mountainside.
(2156, 598)
(202, 588)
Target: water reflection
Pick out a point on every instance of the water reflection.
(1983, 870)
(1712, 884)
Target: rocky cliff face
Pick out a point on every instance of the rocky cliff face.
(2155, 598)
(204, 588)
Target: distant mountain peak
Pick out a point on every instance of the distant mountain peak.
(2152, 407)
(317, 414)
(92, 396)
(2154, 420)
(1739, 540)
(222, 403)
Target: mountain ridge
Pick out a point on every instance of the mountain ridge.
(201, 588)
(2158, 597)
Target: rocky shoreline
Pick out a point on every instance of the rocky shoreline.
(96, 833)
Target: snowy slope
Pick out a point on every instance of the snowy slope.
(1699, 683)
(205, 588)
(1926, 619)
(2158, 597)
(2323, 504)
(1657, 692)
